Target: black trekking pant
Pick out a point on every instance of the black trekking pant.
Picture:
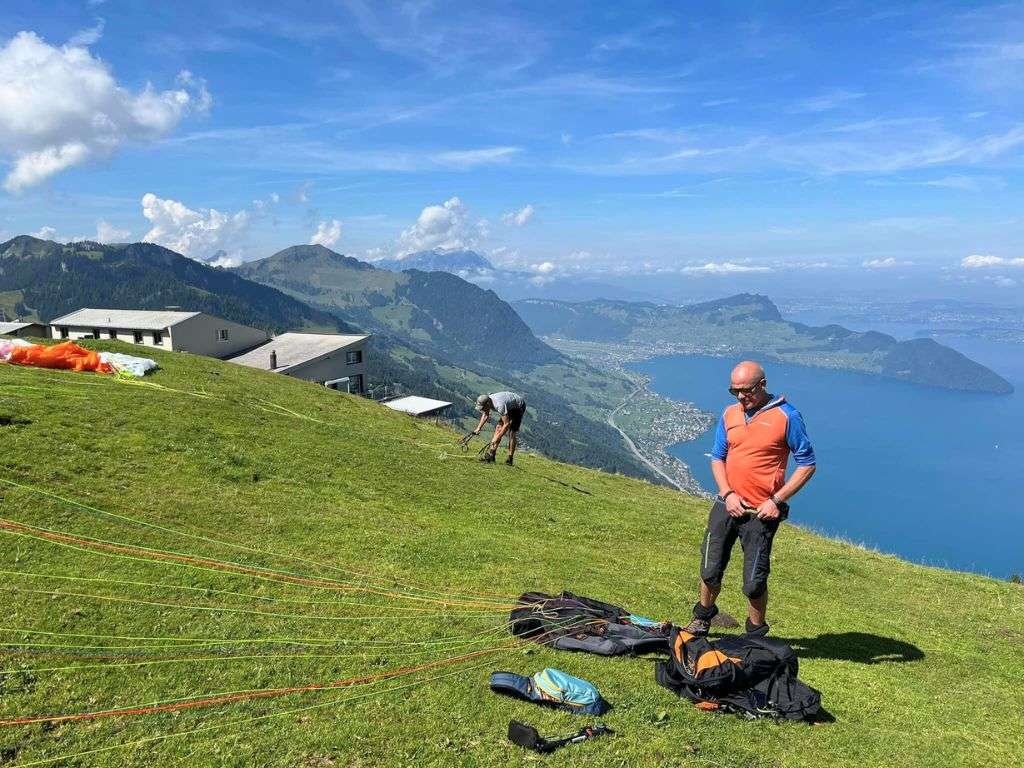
(755, 537)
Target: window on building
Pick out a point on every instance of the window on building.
(95, 333)
(137, 335)
(222, 334)
(112, 333)
(158, 338)
(63, 331)
(351, 358)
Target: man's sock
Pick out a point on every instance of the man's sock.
(707, 614)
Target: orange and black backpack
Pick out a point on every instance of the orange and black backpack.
(745, 674)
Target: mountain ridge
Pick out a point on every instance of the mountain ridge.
(752, 324)
(55, 278)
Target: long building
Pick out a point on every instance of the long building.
(195, 332)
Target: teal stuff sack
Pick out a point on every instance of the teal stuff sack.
(553, 688)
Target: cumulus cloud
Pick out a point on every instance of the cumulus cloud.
(194, 233)
(446, 227)
(61, 107)
(978, 261)
(887, 263)
(327, 233)
(724, 268)
(45, 233)
(108, 233)
(544, 268)
(518, 218)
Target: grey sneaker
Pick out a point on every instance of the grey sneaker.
(698, 627)
(700, 624)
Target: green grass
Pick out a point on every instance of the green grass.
(919, 666)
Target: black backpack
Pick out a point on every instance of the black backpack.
(569, 622)
(749, 675)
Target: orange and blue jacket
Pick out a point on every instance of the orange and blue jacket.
(756, 447)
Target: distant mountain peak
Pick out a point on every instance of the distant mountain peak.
(741, 306)
(312, 253)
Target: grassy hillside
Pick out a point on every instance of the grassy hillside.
(364, 542)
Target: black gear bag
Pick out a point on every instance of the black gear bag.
(749, 675)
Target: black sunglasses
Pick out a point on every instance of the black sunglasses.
(737, 391)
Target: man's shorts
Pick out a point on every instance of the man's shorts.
(755, 537)
(515, 418)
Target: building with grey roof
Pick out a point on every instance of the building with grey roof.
(195, 332)
(415, 405)
(336, 360)
(24, 330)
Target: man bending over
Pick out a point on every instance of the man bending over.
(510, 408)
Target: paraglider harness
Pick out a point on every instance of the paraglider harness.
(569, 622)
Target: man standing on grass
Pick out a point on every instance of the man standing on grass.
(510, 408)
(754, 440)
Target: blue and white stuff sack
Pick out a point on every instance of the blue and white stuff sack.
(554, 688)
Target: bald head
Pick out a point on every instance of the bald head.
(747, 382)
(746, 374)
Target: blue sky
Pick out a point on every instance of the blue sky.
(875, 145)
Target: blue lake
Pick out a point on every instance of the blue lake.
(928, 474)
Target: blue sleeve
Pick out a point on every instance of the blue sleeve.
(796, 436)
(721, 444)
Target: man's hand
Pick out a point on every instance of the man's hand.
(768, 510)
(734, 505)
(476, 431)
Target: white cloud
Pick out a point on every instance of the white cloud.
(544, 268)
(826, 101)
(471, 158)
(978, 261)
(86, 37)
(108, 233)
(327, 233)
(45, 233)
(886, 263)
(194, 233)
(61, 107)
(446, 227)
(1005, 282)
(518, 218)
(724, 268)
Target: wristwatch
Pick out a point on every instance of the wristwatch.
(776, 502)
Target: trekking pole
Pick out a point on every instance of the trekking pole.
(465, 440)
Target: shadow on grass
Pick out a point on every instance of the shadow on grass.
(859, 647)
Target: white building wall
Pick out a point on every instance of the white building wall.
(76, 332)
